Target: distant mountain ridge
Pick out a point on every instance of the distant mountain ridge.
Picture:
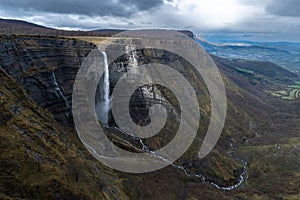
(20, 23)
(285, 54)
(19, 27)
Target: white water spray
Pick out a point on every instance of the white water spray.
(103, 107)
(130, 51)
(106, 80)
(59, 91)
(133, 62)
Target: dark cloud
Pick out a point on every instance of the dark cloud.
(260, 16)
(285, 8)
(119, 8)
(144, 4)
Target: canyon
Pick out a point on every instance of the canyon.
(259, 145)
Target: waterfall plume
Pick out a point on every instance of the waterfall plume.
(103, 99)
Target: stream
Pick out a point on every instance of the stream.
(242, 177)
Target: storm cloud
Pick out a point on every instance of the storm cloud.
(264, 17)
(120, 8)
(285, 8)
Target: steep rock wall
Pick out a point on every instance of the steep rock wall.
(46, 67)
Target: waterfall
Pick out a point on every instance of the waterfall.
(132, 56)
(106, 82)
(103, 107)
(59, 91)
(133, 62)
(130, 51)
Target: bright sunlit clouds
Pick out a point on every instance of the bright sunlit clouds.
(245, 16)
(213, 13)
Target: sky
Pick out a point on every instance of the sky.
(264, 19)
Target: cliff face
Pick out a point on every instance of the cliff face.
(46, 68)
(40, 159)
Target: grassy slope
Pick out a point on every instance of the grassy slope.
(40, 159)
(273, 154)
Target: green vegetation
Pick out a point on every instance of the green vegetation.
(283, 92)
(294, 86)
(275, 163)
(275, 94)
(288, 98)
(288, 94)
(244, 70)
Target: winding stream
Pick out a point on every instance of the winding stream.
(242, 177)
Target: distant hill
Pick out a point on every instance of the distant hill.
(4, 23)
(285, 54)
(10, 26)
(19, 27)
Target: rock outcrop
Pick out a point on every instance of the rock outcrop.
(46, 67)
